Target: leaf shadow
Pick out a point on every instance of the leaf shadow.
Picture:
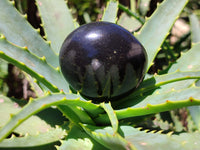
(136, 96)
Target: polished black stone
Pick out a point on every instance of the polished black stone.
(102, 61)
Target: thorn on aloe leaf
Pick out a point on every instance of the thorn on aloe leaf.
(191, 99)
(25, 48)
(2, 53)
(48, 42)
(169, 102)
(170, 133)
(153, 131)
(31, 99)
(159, 49)
(13, 136)
(61, 91)
(42, 24)
(43, 58)
(146, 18)
(147, 130)
(152, 63)
(58, 147)
(2, 37)
(55, 87)
(160, 132)
(23, 64)
(158, 4)
(24, 16)
(48, 93)
(61, 141)
(37, 30)
(45, 37)
(41, 76)
(139, 128)
(12, 2)
(58, 69)
(12, 115)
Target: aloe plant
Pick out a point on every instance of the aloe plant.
(60, 119)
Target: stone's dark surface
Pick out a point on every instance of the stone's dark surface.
(102, 61)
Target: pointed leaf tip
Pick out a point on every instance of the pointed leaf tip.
(191, 99)
(43, 58)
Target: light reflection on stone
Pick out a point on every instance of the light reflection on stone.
(95, 64)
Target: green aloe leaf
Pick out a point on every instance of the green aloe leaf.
(157, 84)
(128, 22)
(87, 17)
(30, 109)
(145, 141)
(106, 137)
(75, 114)
(157, 27)
(195, 31)
(76, 144)
(184, 97)
(57, 21)
(112, 116)
(10, 106)
(110, 12)
(195, 28)
(7, 107)
(144, 6)
(194, 112)
(131, 13)
(67, 105)
(155, 103)
(133, 5)
(35, 66)
(79, 139)
(158, 92)
(29, 141)
(18, 31)
(183, 64)
(3, 74)
(156, 141)
(161, 82)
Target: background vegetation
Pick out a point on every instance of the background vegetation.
(178, 50)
